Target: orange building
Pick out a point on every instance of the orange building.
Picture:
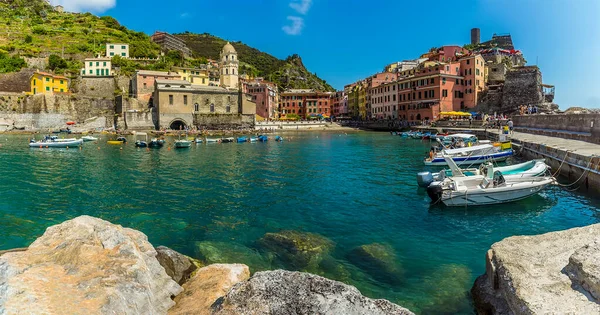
(305, 103)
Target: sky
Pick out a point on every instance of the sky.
(343, 41)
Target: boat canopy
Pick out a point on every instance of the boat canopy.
(468, 149)
(462, 135)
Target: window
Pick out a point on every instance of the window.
(419, 94)
(432, 81)
(123, 47)
(226, 71)
(104, 64)
(47, 79)
(170, 99)
(112, 53)
(212, 108)
(97, 63)
(91, 72)
(443, 80)
(97, 71)
(468, 61)
(444, 93)
(47, 88)
(61, 90)
(123, 54)
(447, 68)
(185, 100)
(33, 81)
(91, 64)
(112, 47)
(144, 85)
(476, 71)
(228, 108)
(456, 69)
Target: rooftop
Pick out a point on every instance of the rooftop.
(157, 73)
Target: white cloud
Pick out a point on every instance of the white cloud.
(301, 6)
(94, 6)
(184, 15)
(296, 27)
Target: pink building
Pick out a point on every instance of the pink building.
(373, 82)
(384, 101)
(446, 54)
(142, 84)
(264, 94)
(339, 104)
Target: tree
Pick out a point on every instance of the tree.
(11, 64)
(56, 62)
(28, 39)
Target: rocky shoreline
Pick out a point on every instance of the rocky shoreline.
(90, 266)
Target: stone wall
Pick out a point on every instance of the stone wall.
(139, 120)
(522, 86)
(585, 127)
(16, 82)
(215, 122)
(102, 87)
(37, 63)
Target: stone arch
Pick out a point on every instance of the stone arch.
(177, 124)
(418, 116)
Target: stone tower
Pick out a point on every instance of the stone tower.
(229, 67)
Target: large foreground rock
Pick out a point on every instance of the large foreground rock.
(552, 273)
(86, 266)
(284, 292)
(208, 284)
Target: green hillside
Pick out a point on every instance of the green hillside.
(289, 73)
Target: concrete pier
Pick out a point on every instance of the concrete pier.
(578, 162)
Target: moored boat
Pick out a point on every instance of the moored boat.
(142, 142)
(198, 140)
(119, 140)
(279, 138)
(242, 139)
(253, 139)
(263, 138)
(228, 140)
(470, 155)
(156, 143)
(49, 142)
(212, 140)
(89, 138)
(182, 144)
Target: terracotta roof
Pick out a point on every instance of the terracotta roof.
(50, 75)
(158, 73)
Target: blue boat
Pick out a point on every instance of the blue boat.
(156, 143)
(242, 139)
(263, 138)
(279, 138)
(472, 159)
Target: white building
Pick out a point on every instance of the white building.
(97, 67)
(117, 50)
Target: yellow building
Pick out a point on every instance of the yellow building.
(193, 75)
(48, 83)
(362, 101)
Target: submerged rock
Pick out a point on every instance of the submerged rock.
(206, 286)
(228, 253)
(286, 292)
(378, 260)
(297, 250)
(447, 290)
(178, 266)
(88, 265)
(552, 273)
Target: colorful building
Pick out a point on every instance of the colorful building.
(339, 104)
(196, 76)
(264, 94)
(48, 83)
(97, 67)
(117, 50)
(449, 53)
(383, 101)
(142, 84)
(306, 103)
(373, 82)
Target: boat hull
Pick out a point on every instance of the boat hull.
(471, 160)
(481, 197)
(59, 144)
(182, 144)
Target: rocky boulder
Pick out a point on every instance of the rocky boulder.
(552, 273)
(88, 265)
(285, 292)
(297, 250)
(178, 266)
(378, 260)
(228, 252)
(208, 284)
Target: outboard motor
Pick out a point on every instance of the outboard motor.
(435, 190)
(424, 179)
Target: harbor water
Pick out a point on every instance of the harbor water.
(216, 202)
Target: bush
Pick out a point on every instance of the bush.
(39, 31)
(28, 39)
(11, 64)
(55, 62)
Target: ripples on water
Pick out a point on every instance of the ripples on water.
(354, 189)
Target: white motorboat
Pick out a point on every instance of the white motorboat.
(89, 138)
(493, 188)
(198, 140)
(49, 142)
(209, 140)
(533, 168)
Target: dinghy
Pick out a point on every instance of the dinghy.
(49, 142)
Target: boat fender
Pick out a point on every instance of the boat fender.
(431, 155)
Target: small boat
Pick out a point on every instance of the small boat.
(393, 133)
(263, 138)
(89, 138)
(279, 138)
(533, 168)
(141, 143)
(469, 155)
(120, 140)
(198, 140)
(253, 139)
(209, 140)
(182, 143)
(228, 140)
(49, 142)
(493, 188)
(242, 139)
(156, 143)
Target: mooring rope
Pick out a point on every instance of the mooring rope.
(585, 172)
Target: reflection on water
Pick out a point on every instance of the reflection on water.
(268, 204)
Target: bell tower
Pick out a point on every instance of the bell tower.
(229, 67)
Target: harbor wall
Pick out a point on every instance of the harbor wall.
(215, 122)
(584, 127)
(139, 120)
(290, 124)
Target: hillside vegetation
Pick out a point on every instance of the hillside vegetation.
(288, 73)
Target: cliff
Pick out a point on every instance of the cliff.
(552, 273)
(90, 266)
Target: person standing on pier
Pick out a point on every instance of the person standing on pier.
(510, 126)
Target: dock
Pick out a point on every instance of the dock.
(576, 161)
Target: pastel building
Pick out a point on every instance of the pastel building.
(305, 103)
(448, 53)
(373, 82)
(143, 82)
(384, 101)
(196, 76)
(340, 104)
(121, 50)
(48, 83)
(97, 67)
(229, 67)
(264, 94)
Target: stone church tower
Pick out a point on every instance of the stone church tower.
(229, 67)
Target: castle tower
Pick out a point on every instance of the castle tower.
(475, 36)
(229, 67)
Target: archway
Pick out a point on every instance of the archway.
(418, 116)
(177, 125)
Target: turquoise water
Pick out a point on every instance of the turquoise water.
(216, 201)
